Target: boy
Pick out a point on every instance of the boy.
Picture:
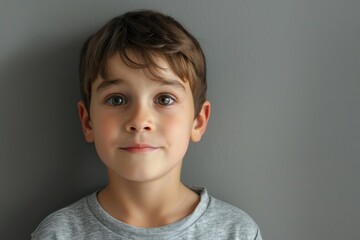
(143, 84)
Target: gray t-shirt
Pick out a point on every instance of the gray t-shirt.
(86, 219)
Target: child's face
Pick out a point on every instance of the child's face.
(141, 127)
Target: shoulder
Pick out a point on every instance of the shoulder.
(64, 222)
(229, 221)
(229, 213)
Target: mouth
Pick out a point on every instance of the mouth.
(139, 148)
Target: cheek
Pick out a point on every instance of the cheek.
(177, 123)
(105, 139)
(106, 130)
(177, 131)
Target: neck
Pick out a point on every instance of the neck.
(150, 204)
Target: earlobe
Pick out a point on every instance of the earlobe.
(85, 122)
(200, 122)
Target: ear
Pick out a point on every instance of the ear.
(85, 122)
(200, 122)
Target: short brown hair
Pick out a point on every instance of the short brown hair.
(148, 34)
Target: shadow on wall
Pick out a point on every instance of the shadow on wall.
(45, 163)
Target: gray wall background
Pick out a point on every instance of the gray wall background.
(284, 139)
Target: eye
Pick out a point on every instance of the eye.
(165, 100)
(116, 100)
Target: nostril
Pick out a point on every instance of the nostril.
(135, 129)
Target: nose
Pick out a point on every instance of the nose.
(140, 120)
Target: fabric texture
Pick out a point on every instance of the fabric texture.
(86, 219)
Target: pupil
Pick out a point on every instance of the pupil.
(117, 100)
(164, 100)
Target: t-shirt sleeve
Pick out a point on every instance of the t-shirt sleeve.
(258, 235)
(62, 224)
(49, 229)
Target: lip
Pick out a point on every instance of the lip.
(139, 148)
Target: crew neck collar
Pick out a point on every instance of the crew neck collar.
(162, 232)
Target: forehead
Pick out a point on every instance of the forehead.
(118, 72)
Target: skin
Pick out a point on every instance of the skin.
(141, 129)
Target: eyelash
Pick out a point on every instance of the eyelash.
(124, 100)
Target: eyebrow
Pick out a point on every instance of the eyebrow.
(163, 82)
(107, 83)
(173, 83)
